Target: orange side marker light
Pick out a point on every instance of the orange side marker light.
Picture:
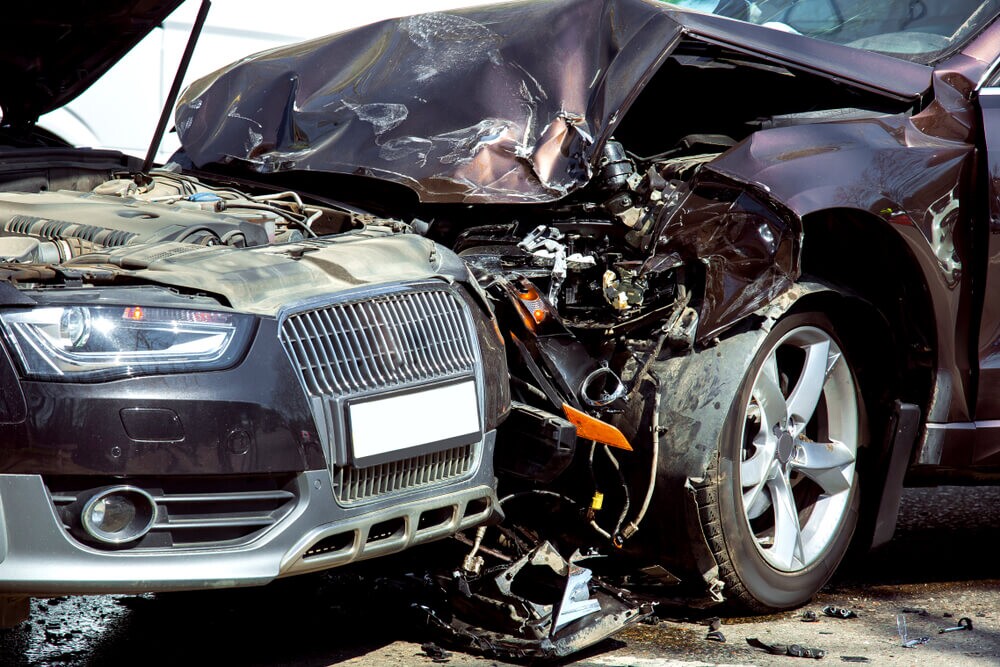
(592, 428)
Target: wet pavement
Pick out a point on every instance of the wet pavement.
(941, 559)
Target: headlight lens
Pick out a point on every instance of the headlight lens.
(108, 342)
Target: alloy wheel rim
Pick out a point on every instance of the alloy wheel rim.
(799, 449)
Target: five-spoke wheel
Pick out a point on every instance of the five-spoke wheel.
(782, 505)
(800, 443)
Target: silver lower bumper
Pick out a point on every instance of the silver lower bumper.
(38, 557)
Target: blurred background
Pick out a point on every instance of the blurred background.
(120, 111)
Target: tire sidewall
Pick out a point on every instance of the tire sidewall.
(772, 588)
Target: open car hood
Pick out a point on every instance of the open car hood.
(507, 103)
(56, 50)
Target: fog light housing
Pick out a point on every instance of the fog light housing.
(118, 515)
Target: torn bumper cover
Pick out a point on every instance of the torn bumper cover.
(540, 606)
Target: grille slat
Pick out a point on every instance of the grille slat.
(382, 343)
(349, 348)
(370, 355)
(380, 355)
(434, 352)
(358, 484)
(315, 353)
(416, 340)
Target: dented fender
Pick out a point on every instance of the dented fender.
(698, 391)
(747, 242)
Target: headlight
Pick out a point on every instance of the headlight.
(108, 342)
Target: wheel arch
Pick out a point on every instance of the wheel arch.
(879, 291)
(698, 390)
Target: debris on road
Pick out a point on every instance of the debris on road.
(810, 617)
(904, 635)
(435, 652)
(794, 650)
(715, 630)
(964, 623)
(854, 658)
(919, 611)
(540, 606)
(839, 612)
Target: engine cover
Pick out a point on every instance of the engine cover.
(93, 221)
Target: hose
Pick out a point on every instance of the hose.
(633, 525)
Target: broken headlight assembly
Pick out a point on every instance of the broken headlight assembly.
(92, 343)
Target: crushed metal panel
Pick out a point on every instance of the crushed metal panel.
(747, 242)
(470, 105)
(507, 103)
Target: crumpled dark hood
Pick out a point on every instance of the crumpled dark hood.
(55, 50)
(508, 103)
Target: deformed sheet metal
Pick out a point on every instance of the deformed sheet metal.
(506, 103)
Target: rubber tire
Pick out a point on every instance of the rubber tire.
(751, 584)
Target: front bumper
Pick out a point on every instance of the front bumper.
(280, 465)
(38, 557)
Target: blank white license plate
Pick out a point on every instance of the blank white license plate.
(446, 416)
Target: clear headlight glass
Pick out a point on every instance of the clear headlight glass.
(108, 342)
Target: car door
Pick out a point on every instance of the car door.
(986, 449)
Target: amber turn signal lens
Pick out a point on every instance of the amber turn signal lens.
(592, 428)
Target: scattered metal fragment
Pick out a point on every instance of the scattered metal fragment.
(794, 650)
(964, 623)
(435, 652)
(904, 635)
(810, 617)
(839, 612)
(715, 630)
(854, 658)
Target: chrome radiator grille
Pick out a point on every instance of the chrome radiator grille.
(381, 342)
(357, 484)
(385, 342)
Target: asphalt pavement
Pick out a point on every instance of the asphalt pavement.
(942, 559)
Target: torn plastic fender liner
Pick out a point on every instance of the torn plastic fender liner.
(748, 242)
(698, 391)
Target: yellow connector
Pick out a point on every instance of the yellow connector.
(598, 501)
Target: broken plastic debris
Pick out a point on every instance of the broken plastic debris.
(809, 617)
(794, 650)
(435, 652)
(576, 602)
(839, 612)
(714, 630)
(904, 635)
